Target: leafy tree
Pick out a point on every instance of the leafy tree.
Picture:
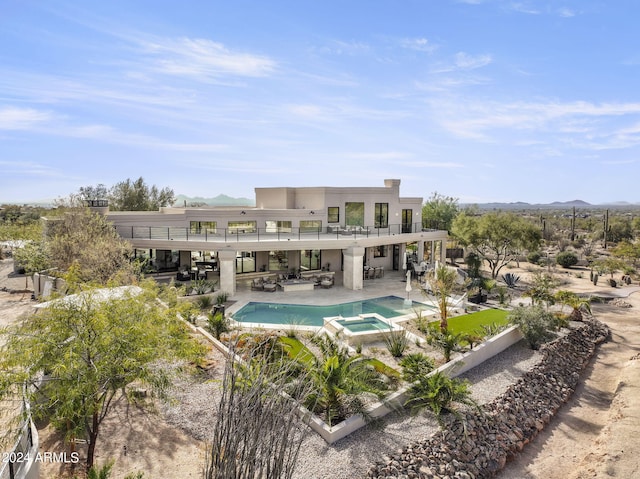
(91, 350)
(33, 257)
(609, 265)
(627, 251)
(439, 211)
(566, 259)
(536, 324)
(542, 288)
(88, 238)
(137, 196)
(496, 237)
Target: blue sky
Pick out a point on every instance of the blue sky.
(482, 100)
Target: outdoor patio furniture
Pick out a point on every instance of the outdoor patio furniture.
(269, 286)
(257, 284)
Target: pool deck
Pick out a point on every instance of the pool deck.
(393, 284)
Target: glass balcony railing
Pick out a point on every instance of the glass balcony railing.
(227, 235)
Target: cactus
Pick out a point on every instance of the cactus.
(595, 279)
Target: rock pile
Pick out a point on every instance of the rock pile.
(479, 445)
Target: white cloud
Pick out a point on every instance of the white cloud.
(203, 58)
(465, 61)
(567, 12)
(13, 118)
(522, 7)
(419, 44)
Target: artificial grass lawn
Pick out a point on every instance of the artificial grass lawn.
(473, 322)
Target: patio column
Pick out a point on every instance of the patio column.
(420, 251)
(227, 267)
(353, 267)
(443, 252)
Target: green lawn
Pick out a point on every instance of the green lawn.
(469, 323)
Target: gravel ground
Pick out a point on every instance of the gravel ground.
(353, 455)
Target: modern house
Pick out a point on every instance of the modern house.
(290, 230)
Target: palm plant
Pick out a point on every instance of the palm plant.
(341, 382)
(443, 282)
(438, 392)
(575, 302)
(415, 366)
(446, 341)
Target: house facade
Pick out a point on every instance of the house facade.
(289, 230)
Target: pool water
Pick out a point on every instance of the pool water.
(364, 324)
(312, 315)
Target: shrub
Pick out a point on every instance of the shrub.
(397, 342)
(222, 297)
(415, 366)
(204, 302)
(534, 257)
(536, 324)
(566, 259)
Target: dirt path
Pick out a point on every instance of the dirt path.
(595, 434)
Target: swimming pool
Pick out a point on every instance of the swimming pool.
(312, 315)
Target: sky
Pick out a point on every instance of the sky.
(480, 100)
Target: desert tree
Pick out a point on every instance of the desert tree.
(79, 352)
(88, 238)
(542, 288)
(496, 237)
(439, 211)
(259, 427)
(136, 195)
(33, 256)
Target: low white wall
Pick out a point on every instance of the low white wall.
(453, 368)
(396, 400)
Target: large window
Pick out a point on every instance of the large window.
(333, 214)
(407, 221)
(199, 227)
(245, 262)
(237, 227)
(309, 259)
(354, 214)
(382, 215)
(278, 261)
(272, 226)
(310, 226)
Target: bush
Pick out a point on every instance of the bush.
(536, 324)
(534, 257)
(204, 302)
(397, 342)
(566, 259)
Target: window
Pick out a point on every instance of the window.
(245, 262)
(382, 215)
(278, 261)
(310, 259)
(278, 226)
(199, 227)
(380, 251)
(407, 221)
(236, 227)
(310, 226)
(354, 214)
(333, 214)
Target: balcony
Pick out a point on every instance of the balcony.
(239, 235)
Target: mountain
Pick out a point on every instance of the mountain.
(220, 200)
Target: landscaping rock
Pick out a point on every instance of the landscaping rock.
(490, 437)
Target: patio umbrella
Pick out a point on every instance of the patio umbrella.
(407, 288)
(404, 260)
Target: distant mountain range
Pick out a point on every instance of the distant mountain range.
(220, 200)
(520, 205)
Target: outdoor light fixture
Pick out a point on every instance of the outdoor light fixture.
(243, 212)
(312, 212)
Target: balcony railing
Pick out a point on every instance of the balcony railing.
(238, 235)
